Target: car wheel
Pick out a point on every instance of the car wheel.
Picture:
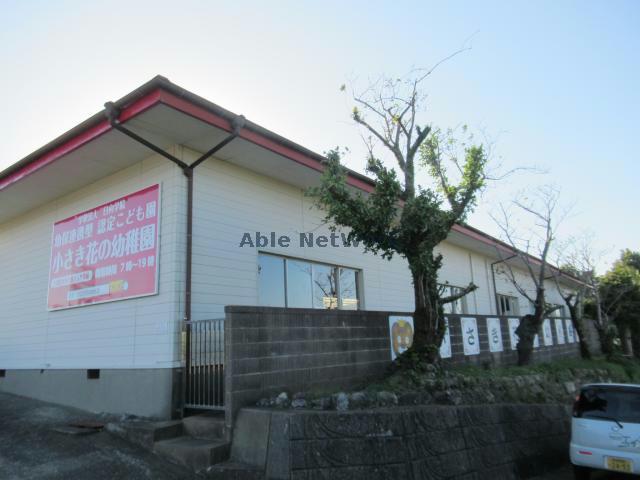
(581, 473)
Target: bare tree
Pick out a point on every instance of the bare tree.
(579, 258)
(532, 247)
(574, 259)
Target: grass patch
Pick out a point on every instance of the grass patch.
(619, 368)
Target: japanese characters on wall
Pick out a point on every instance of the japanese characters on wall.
(560, 331)
(470, 336)
(445, 346)
(514, 323)
(570, 332)
(546, 333)
(495, 334)
(107, 253)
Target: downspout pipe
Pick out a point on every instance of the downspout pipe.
(493, 278)
(237, 124)
(113, 113)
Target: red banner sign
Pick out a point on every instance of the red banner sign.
(107, 253)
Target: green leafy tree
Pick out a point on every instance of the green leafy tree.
(401, 217)
(620, 293)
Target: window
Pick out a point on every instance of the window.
(348, 289)
(325, 291)
(609, 403)
(508, 305)
(457, 306)
(558, 312)
(290, 282)
(271, 286)
(298, 284)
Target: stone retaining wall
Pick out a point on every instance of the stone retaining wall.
(430, 442)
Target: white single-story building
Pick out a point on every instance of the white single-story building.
(96, 287)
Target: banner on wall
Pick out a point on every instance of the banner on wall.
(546, 333)
(570, 331)
(401, 334)
(107, 253)
(445, 346)
(495, 335)
(559, 331)
(514, 323)
(470, 337)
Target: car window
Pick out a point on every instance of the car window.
(621, 404)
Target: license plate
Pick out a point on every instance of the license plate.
(619, 465)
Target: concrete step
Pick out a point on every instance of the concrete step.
(233, 471)
(195, 453)
(207, 425)
(146, 434)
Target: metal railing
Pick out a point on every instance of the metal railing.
(204, 350)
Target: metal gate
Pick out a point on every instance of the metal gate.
(204, 350)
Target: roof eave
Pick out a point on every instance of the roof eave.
(162, 83)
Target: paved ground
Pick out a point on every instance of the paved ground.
(30, 449)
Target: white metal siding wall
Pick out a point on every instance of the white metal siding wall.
(132, 333)
(144, 332)
(505, 287)
(230, 201)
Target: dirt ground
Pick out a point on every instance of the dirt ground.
(31, 449)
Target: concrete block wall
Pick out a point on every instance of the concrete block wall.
(508, 355)
(269, 350)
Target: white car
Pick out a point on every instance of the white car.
(605, 429)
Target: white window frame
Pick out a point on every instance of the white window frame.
(336, 273)
(513, 303)
(462, 302)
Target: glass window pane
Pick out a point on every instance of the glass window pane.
(348, 289)
(299, 284)
(620, 404)
(325, 294)
(447, 307)
(456, 305)
(271, 281)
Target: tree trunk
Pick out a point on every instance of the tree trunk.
(428, 321)
(529, 327)
(606, 340)
(526, 331)
(578, 326)
(624, 340)
(635, 341)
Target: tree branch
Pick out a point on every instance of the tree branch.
(464, 291)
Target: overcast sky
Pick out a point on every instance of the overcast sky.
(554, 84)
